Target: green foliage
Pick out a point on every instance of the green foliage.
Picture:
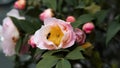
(75, 54)
(83, 19)
(24, 26)
(50, 53)
(51, 4)
(47, 62)
(18, 45)
(104, 16)
(101, 15)
(63, 63)
(113, 28)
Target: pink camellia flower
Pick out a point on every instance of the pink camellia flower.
(46, 14)
(20, 4)
(88, 27)
(10, 33)
(80, 36)
(70, 19)
(54, 34)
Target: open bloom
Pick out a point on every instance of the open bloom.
(54, 34)
(10, 33)
(20, 4)
(46, 14)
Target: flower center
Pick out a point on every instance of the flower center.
(55, 35)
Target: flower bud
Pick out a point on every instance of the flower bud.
(88, 27)
(80, 36)
(20, 4)
(70, 19)
(31, 42)
(46, 14)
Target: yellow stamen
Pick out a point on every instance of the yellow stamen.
(55, 35)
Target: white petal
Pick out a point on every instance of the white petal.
(8, 47)
(15, 13)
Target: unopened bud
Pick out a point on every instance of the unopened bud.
(88, 27)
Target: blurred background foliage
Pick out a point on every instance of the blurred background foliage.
(105, 39)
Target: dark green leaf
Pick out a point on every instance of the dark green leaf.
(18, 45)
(113, 28)
(101, 15)
(59, 5)
(70, 2)
(47, 62)
(23, 25)
(49, 53)
(83, 19)
(51, 4)
(75, 54)
(63, 63)
(39, 51)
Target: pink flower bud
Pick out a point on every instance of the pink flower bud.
(46, 14)
(88, 27)
(70, 19)
(20, 4)
(80, 36)
(31, 42)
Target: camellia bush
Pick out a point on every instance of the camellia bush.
(63, 34)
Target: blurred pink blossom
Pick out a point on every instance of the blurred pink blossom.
(70, 19)
(46, 14)
(10, 33)
(20, 4)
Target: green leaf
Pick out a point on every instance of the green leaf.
(23, 25)
(63, 63)
(47, 62)
(113, 28)
(51, 4)
(49, 53)
(101, 15)
(82, 19)
(75, 54)
(70, 2)
(18, 45)
(39, 51)
(59, 8)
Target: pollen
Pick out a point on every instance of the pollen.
(55, 35)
